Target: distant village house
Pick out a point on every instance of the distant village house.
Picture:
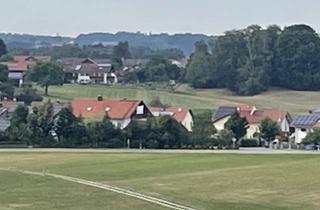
(20, 65)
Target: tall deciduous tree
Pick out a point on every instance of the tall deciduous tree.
(199, 72)
(121, 50)
(299, 58)
(70, 129)
(269, 129)
(3, 48)
(312, 137)
(18, 130)
(238, 125)
(46, 74)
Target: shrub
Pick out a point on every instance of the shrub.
(249, 143)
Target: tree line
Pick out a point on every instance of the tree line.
(42, 127)
(252, 60)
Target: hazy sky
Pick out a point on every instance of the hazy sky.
(71, 17)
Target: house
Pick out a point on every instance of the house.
(223, 114)
(302, 125)
(84, 71)
(182, 115)
(20, 65)
(253, 116)
(120, 112)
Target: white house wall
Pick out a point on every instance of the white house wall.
(300, 135)
(122, 124)
(188, 122)
(220, 124)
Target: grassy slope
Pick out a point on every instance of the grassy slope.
(293, 101)
(248, 182)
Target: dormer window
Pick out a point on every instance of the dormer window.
(89, 109)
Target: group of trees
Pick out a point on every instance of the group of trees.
(251, 60)
(159, 69)
(42, 127)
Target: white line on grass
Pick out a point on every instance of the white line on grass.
(118, 190)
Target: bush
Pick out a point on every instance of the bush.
(249, 143)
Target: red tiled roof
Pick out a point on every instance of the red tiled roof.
(22, 63)
(19, 66)
(116, 109)
(179, 114)
(23, 58)
(240, 106)
(259, 115)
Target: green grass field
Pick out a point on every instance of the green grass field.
(183, 96)
(201, 181)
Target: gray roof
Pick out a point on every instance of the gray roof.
(305, 121)
(223, 111)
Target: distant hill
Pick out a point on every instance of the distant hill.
(185, 42)
(29, 41)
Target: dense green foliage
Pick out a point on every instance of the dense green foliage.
(121, 50)
(158, 133)
(28, 94)
(312, 137)
(159, 69)
(269, 129)
(238, 125)
(6, 89)
(249, 143)
(44, 128)
(3, 48)
(46, 74)
(251, 60)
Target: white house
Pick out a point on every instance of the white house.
(182, 115)
(120, 112)
(89, 71)
(303, 125)
(253, 116)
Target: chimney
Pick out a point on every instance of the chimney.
(99, 98)
(254, 109)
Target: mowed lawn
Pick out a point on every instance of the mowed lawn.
(184, 96)
(201, 181)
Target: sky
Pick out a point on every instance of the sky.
(212, 17)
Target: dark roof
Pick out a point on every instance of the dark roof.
(223, 111)
(77, 65)
(305, 121)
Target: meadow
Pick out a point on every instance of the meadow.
(183, 96)
(201, 181)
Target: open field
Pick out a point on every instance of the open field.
(201, 181)
(293, 101)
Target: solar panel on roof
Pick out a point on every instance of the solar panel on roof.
(306, 120)
(223, 111)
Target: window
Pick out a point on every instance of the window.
(140, 109)
(303, 130)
